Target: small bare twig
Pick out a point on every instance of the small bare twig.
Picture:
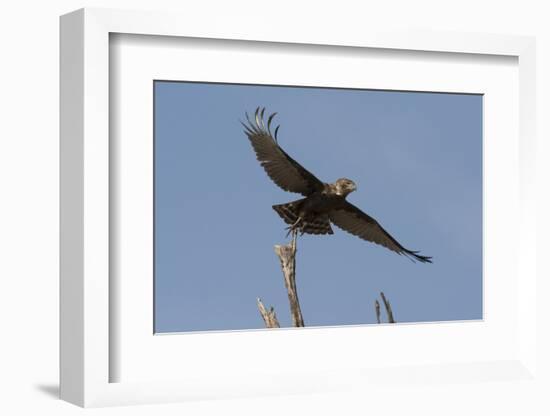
(388, 308)
(287, 256)
(269, 316)
(377, 309)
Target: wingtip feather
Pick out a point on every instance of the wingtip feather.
(418, 257)
(269, 120)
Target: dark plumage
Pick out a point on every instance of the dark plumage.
(324, 203)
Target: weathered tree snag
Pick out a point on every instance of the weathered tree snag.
(287, 256)
(388, 308)
(269, 316)
(377, 309)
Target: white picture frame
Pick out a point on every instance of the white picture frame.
(86, 305)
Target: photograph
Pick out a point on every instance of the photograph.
(280, 206)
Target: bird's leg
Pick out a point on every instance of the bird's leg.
(294, 227)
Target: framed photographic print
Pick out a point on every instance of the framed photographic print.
(211, 201)
(263, 213)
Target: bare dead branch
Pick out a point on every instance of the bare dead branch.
(269, 316)
(388, 308)
(377, 309)
(287, 256)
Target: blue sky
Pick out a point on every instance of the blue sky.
(416, 159)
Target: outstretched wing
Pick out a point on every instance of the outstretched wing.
(351, 219)
(280, 167)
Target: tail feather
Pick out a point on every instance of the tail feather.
(320, 225)
(290, 212)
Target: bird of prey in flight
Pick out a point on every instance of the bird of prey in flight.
(324, 203)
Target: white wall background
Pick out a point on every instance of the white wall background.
(29, 198)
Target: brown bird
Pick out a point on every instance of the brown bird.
(324, 203)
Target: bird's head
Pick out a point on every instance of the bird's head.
(344, 186)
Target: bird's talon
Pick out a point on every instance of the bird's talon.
(294, 228)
